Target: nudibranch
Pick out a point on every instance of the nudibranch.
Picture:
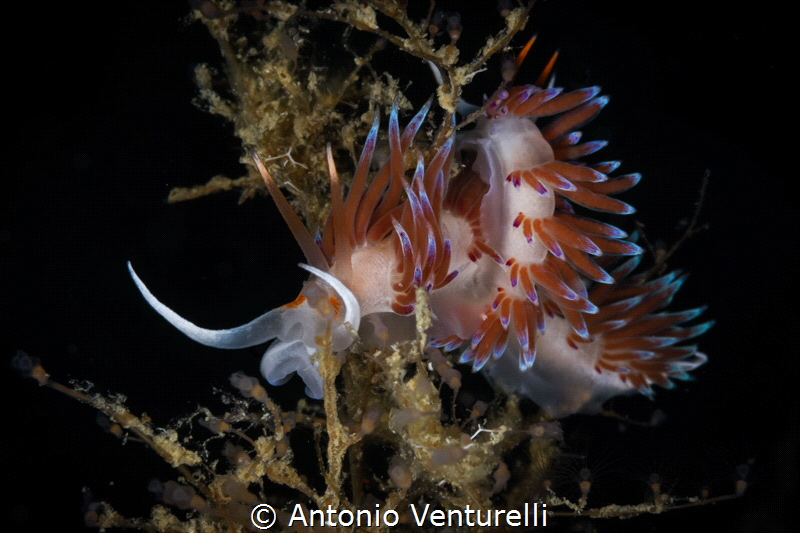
(532, 293)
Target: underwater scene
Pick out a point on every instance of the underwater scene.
(397, 266)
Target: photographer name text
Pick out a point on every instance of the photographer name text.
(529, 516)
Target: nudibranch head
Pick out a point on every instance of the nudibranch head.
(516, 278)
(324, 305)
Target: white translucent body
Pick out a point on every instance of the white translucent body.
(562, 380)
(502, 146)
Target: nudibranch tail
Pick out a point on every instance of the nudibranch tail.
(631, 345)
(639, 340)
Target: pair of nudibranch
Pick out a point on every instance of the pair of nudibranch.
(508, 265)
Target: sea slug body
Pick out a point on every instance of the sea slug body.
(533, 294)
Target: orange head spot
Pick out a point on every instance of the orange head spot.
(336, 306)
(297, 302)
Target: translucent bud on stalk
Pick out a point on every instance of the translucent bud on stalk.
(584, 483)
(371, 419)
(441, 365)
(209, 9)
(547, 430)
(282, 446)
(436, 22)
(655, 486)
(236, 455)
(400, 474)
(478, 410)
(107, 424)
(448, 455)
(214, 424)
(508, 67)
(248, 386)
(29, 367)
(182, 496)
(400, 418)
(289, 421)
(501, 476)
(237, 490)
(741, 484)
(504, 7)
(454, 27)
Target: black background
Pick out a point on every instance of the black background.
(102, 126)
